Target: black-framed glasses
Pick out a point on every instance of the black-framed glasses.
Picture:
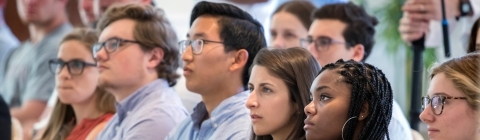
(321, 44)
(75, 67)
(197, 45)
(437, 102)
(110, 45)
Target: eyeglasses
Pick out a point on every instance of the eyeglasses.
(110, 45)
(75, 67)
(437, 102)
(197, 45)
(321, 44)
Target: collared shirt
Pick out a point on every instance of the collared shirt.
(149, 113)
(27, 75)
(230, 120)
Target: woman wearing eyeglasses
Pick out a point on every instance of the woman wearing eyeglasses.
(452, 106)
(82, 109)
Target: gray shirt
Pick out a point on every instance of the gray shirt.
(150, 113)
(7, 44)
(27, 76)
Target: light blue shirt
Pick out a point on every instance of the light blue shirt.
(150, 113)
(398, 128)
(230, 120)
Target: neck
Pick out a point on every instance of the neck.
(86, 110)
(39, 30)
(215, 96)
(123, 91)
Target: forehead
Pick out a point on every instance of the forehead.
(122, 28)
(74, 49)
(441, 84)
(286, 20)
(205, 27)
(332, 28)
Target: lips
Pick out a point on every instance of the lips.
(432, 131)
(308, 124)
(187, 71)
(101, 67)
(255, 117)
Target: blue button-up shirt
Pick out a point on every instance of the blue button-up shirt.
(149, 113)
(230, 120)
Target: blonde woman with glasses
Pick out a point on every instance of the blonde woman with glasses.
(452, 106)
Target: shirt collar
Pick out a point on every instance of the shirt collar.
(136, 97)
(231, 104)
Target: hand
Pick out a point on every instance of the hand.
(431, 9)
(411, 30)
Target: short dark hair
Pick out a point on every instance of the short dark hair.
(360, 26)
(152, 30)
(238, 30)
(473, 37)
(300, 9)
(368, 84)
(297, 68)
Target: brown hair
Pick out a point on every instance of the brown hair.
(300, 9)
(465, 75)
(473, 37)
(152, 30)
(62, 119)
(297, 68)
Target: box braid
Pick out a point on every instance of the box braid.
(368, 84)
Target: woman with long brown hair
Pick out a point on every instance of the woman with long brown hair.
(279, 84)
(82, 108)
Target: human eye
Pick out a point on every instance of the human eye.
(324, 97)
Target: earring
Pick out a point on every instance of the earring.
(345, 124)
(362, 116)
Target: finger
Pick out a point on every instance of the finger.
(421, 17)
(411, 37)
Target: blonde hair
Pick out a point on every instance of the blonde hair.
(465, 75)
(62, 119)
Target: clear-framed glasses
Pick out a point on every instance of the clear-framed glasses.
(321, 44)
(436, 102)
(197, 45)
(74, 67)
(110, 45)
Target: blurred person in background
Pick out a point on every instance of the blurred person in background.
(290, 23)
(91, 10)
(27, 83)
(424, 18)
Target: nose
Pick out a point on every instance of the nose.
(252, 101)
(101, 55)
(87, 5)
(426, 115)
(278, 42)
(310, 109)
(187, 55)
(64, 74)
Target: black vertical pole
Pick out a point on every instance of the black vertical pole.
(418, 47)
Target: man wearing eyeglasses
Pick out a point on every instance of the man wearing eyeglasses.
(346, 31)
(137, 56)
(222, 42)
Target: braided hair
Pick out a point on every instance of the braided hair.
(368, 85)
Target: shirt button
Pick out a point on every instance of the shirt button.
(116, 128)
(215, 125)
(128, 112)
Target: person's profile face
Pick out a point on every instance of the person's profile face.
(328, 111)
(208, 67)
(457, 120)
(271, 108)
(331, 30)
(286, 30)
(126, 65)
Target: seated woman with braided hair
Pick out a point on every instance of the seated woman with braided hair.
(351, 101)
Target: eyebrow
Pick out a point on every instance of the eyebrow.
(321, 88)
(197, 35)
(442, 93)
